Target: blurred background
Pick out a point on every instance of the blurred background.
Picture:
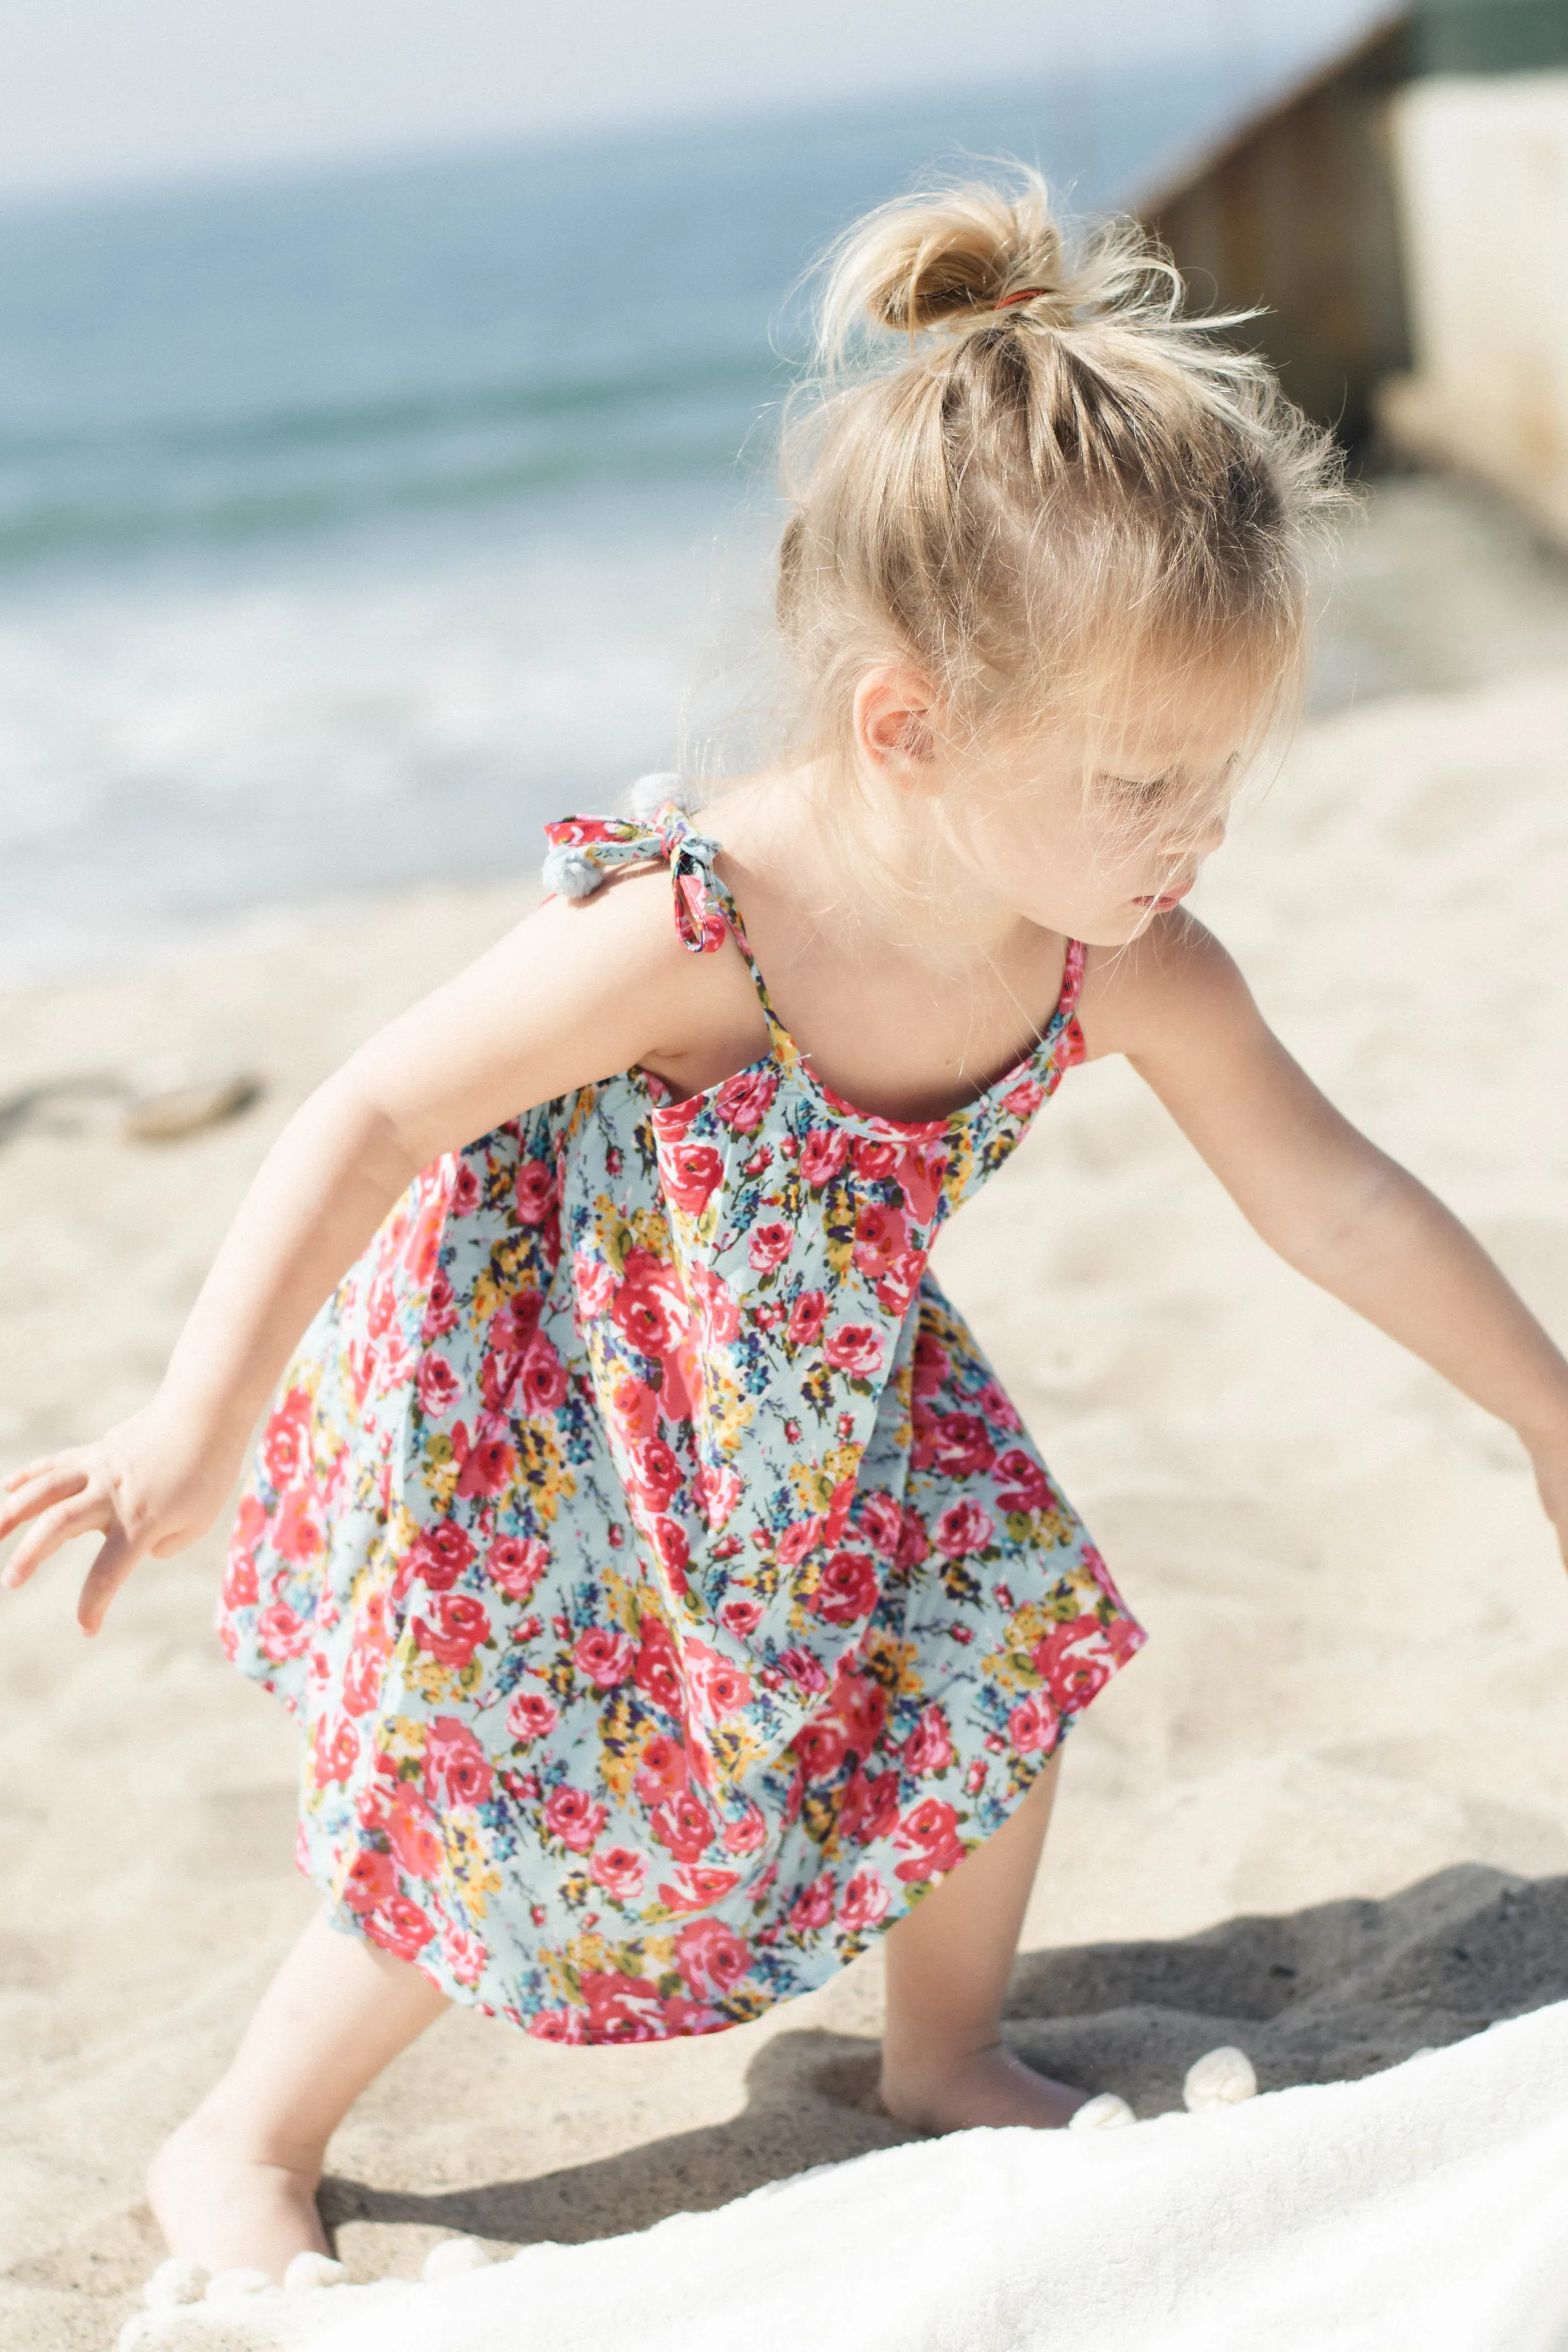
(386, 394)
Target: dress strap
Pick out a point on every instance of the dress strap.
(584, 851)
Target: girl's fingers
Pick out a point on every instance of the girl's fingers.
(45, 1482)
(116, 1556)
(75, 1518)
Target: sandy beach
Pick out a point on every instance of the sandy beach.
(1322, 1817)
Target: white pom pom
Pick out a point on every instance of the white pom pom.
(312, 2269)
(649, 794)
(228, 2286)
(179, 2280)
(452, 2258)
(1106, 2113)
(570, 874)
(1221, 2078)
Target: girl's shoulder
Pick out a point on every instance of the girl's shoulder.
(1157, 989)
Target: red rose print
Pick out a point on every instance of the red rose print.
(919, 1173)
(914, 1544)
(440, 1309)
(931, 1831)
(881, 1235)
(873, 1159)
(956, 1445)
(464, 1954)
(372, 1879)
(663, 1772)
(692, 1172)
(722, 1687)
(814, 1907)
(399, 1927)
(544, 1381)
(411, 1832)
(536, 1192)
(283, 1448)
(437, 1385)
(594, 1285)
(674, 1552)
(748, 1834)
(489, 1464)
(820, 1749)
(822, 1154)
(567, 2025)
(656, 1474)
(855, 1349)
(575, 1818)
(1072, 1662)
(336, 1753)
(719, 1314)
(516, 1563)
(998, 1407)
(465, 1190)
(712, 1958)
(621, 2007)
(929, 1748)
(620, 1871)
(770, 1244)
(457, 1769)
(437, 1557)
(362, 1672)
(1027, 1486)
(634, 1406)
(796, 1540)
(456, 1626)
(870, 1808)
(964, 1528)
(933, 1366)
(877, 1519)
(280, 1633)
(861, 1706)
(718, 1492)
(683, 1827)
(898, 1287)
(741, 1618)
(865, 1900)
(530, 1717)
(743, 1101)
(804, 1670)
(846, 1590)
(1034, 1724)
(1023, 1100)
(605, 1656)
(658, 1669)
(648, 1305)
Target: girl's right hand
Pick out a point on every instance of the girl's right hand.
(143, 1487)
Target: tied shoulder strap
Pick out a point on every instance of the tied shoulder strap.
(584, 851)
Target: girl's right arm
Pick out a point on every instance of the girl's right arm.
(572, 994)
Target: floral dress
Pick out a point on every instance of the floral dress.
(670, 1593)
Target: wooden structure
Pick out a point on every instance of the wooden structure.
(1295, 214)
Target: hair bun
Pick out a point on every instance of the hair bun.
(948, 259)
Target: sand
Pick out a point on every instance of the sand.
(1322, 1817)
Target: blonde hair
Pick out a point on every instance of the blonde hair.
(1052, 486)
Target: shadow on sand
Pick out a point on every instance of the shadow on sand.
(1326, 1994)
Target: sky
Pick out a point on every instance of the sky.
(99, 92)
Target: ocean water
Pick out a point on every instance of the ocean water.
(352, 526)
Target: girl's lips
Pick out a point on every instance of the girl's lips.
(1166, 899)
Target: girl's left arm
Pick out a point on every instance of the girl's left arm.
(1318, 1193)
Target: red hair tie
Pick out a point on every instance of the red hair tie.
(1024, 294)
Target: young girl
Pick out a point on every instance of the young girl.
(671, 1598)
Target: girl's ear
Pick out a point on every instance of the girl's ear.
(895, 732)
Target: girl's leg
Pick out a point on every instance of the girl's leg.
(944, 2064)
(236, 2186)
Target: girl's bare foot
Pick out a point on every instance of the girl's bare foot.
(982, 2086)
(229, 2208)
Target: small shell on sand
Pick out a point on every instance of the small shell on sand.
(1106, 2113)
(179, 2280)
(452, 2257)
(1222, 2078)
(312, 2269)
(226, 2286)
(174, 1112)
